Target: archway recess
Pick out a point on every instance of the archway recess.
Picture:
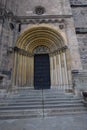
(41, 39)
(42, 34)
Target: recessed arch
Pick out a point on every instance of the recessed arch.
(43, 34)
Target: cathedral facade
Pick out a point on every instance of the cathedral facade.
(43, 44)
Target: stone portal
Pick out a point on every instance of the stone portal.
(42, 47)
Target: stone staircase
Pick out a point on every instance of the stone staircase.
(39, 103)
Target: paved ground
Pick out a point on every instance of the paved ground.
(65, 122)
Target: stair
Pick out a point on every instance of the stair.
(40, 103)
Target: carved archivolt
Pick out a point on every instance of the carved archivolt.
(41, 36)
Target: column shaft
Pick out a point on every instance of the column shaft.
(32, 75)
(17, 76)
(55, 71)
(19, 69)
(66, 75)
(14, 69)
(68, 62)
(28, 72)
(51, 67)
(60, 69)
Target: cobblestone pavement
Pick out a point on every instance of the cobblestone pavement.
(65, 122)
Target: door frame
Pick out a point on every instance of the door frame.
(49, 77)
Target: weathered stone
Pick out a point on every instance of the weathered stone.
(58, 14)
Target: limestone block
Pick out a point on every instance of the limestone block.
(82, 42)
(80, 17)
(80, 81)
(57, 7)
(73, 45)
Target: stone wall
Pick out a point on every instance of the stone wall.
(59, 8)
(6, 55)
(1, 21)
(79, 81)
(52, 7)
(79, 11)
(12, 5)
(80, 2)
(9, 5)
(80, 17)
(82, 40)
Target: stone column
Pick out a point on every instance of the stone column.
(27, 69)
(65, 69)
(19, 75)
(24, 71)
(17, 69)
(60, 69)
(63, 73)
(28, 73)
(55, 70)
(51, 70)
(32, 71)
(31, 64)
(68, 63)
(29, 78)
(14, 70)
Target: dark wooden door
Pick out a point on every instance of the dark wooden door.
(41, 71)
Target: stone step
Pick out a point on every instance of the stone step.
(28, 101)
(57, 112)
(32, 106)
(11, 114)
(70, 109)
(34, 97)
(62, 101)
(35, 102)
(15, 114)
(63, 105)
(37, 93)
(38, 103)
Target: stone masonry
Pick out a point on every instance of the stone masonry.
(16, 16)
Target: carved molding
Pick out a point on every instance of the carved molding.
(28, 20)
(41, 50)
(39, 10)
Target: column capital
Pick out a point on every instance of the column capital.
(64, 48)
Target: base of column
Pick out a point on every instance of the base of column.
(18, 88)
(69, 90)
